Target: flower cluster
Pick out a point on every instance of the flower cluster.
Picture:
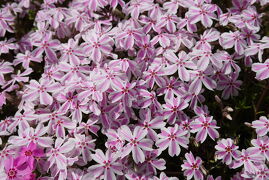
(113, 89)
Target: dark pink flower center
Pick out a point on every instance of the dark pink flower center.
(228, 149)
(28, 153)
(194, 166)
(263, 148)
(172, 136)
(206, 124)
(12, 173)
(245, 158)
(107, 164)
(134, 142)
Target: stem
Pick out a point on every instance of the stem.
(265, 91)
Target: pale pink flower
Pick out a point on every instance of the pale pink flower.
(96, 46)
(41, 90)
(230, 85)
(233, 39)
(227, 150)
(203, 12)
(180, 64)
(107, 166)
(48, 46)
(57, 155)
(168, 20)
(248, 159)
(261, 69)
(261, 146)
(173, 109)
(172, 138)
(84, 146)
(261, 126)
(192, 167)
(204, 126)
(26, 58)
(136, 143)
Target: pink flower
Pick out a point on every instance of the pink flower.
(61, 123)
(173, 109)
(152, 163)
(80, 20)
(89, 90)
(180, 64)
(97, 45)
(124, 92)
(204, 126)
(114, 3)
(89, 126)
(48, 45)
(261, 146)
(129, 36)
(233, 39)
(107, 166)
(261, 69)
(164, 177)
(164, 39)
(203, 12)
(149, 23)
(172, 138)
(255, 48)
(261, 126)
(230, 85)
(71, 52)
(227, 151)
(170, 88)
(261, 174)
(229, 62)
(207, 37)
(41, 90)
(68, 99)
(173, 5)
(15, 169)
(21, 120)
(146, 47)
(6, 154)
(202, 77)
(192, 166)
(187, 22)
(135, 143)
(19, 77)
(150, 124)
(106, 79)
(252, 18)
(26, 58)
(29, 153)
(6, 46)
(168, 20)
(5, 68)
(149, 99)
(2, 99)
(84, 145)
(138, 6)
(153, 74)
(205, 59)
(249, 159)
(115, 142)
(239, 6)
(57, 155)
(73, 71)
(5, 21)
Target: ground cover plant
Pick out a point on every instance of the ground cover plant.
(137, 89)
